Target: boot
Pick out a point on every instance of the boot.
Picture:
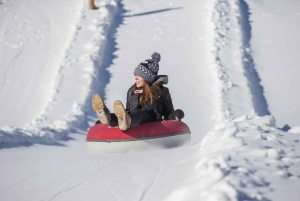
(123, 117)
(92, 5)
(100, 108)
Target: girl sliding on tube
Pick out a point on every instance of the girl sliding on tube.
(147, 100)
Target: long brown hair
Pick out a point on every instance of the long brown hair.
(150, 92)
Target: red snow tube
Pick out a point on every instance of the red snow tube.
(161, 134)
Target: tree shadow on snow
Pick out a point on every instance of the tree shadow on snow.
(153, 12)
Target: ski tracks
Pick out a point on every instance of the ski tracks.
(41, 175)
(116, 177)
(238, 81)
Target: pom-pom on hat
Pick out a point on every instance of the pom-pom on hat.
(149, 68)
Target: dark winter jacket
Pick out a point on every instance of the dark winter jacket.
(159, 110)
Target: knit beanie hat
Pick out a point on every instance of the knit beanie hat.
(149, 68)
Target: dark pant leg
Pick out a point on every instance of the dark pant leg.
(113, 120)
(138, 117)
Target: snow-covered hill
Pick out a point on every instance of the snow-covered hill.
(230, 63)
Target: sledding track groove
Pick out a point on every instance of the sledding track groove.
(232, 60)
(97, 54)
(257, 91)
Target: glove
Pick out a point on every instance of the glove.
(176, 115)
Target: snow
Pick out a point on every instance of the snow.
(295, 130)
(275, 43)
(32, 47)
(79, 64)
(245, 160)
(232, 70)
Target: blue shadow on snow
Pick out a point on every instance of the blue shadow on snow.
(257, 91)
(153, 12)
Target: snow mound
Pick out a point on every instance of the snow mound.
(41, 132)
(295, 130)
(240, 159)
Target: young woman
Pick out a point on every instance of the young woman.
(147, 100)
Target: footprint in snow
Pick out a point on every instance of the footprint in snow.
(25, 27)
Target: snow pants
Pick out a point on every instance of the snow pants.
(137, 117)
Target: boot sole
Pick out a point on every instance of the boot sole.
(98, 107)
(121, 115)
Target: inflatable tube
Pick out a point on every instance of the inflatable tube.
(161, 134)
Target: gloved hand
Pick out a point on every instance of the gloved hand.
(176, 115)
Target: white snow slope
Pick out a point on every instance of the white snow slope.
(220, 57)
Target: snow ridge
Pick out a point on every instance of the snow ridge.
(247, 152)
(243, 159)
(219, 32)
(44, 129)
(232, 60)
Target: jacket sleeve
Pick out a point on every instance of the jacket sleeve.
(167, 104)
(128, 99)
